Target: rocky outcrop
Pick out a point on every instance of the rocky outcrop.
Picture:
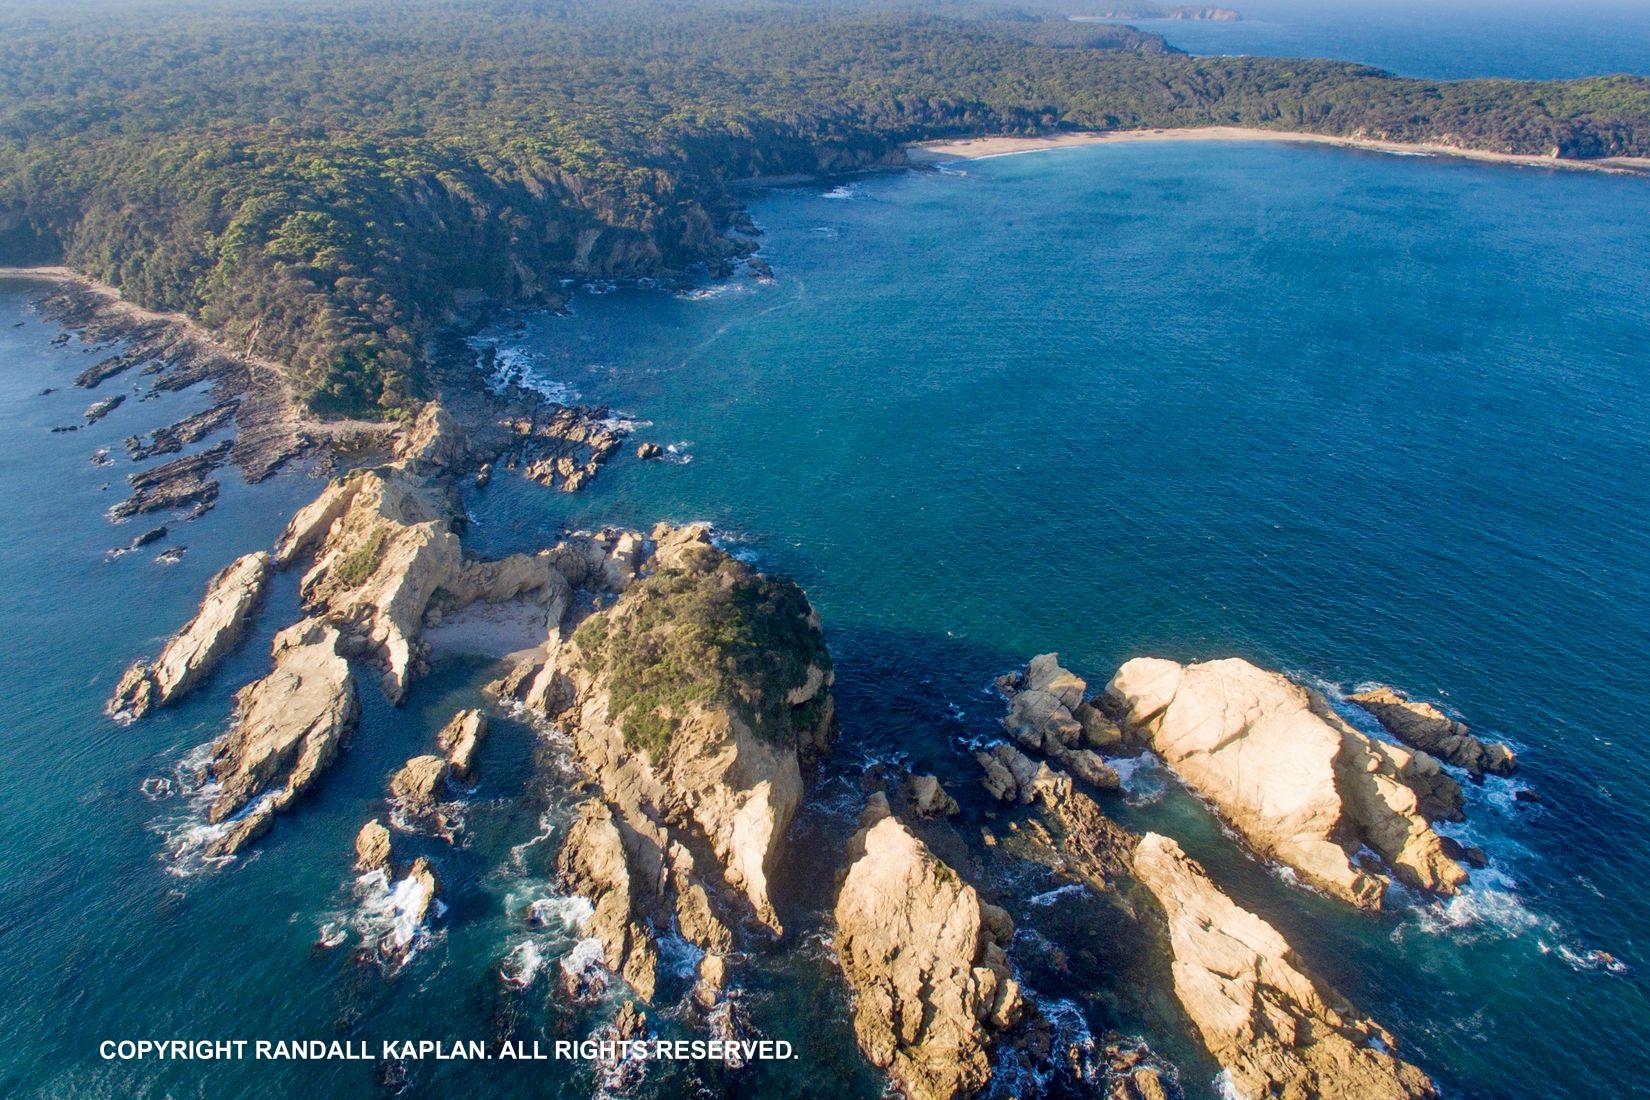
(433, 444)
(232, 597)
(387, 563)
(182, 483)
(419, 783)
(1274, 1028)
(1048, 714)
(171, 438)
(930, 799)
(1076, 837)
(564, 445)
(287, 730)
(693, 701)
(460, 738)
(1295, 780)
(1425, 727)
(924, 956)
(372, 847)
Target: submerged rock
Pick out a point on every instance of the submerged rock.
(925, 958)
(1298, 783)
(287, 731)
(1274, 1028)
(1424, 726)
(232, 598)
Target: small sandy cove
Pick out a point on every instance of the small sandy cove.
(933, 152)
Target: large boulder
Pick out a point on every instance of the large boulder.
(232, 598)
(925, 959)
(1295, 780)
(1275, 1029)
(419, 783)
(1425, 727)
(287, 730)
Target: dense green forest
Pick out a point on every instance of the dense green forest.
(326, 183)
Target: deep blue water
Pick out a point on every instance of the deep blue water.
(1526, 39)
(1350, 415)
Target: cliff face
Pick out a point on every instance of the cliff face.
(1275, 1029)
(694, 703)
(925, 958)
(1297, 782)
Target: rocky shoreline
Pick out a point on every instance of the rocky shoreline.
(695, 693)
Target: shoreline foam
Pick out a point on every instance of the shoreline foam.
(980, 148)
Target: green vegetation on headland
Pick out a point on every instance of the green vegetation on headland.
(329, 185)
(718, 634)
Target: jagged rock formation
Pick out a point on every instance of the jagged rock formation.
(1425, 727)
(694, 702)
(287, 730)
(232, 597)
(171, 438)
(930, 799)
(564, 450)
(372, 847)
(182, 483)
(1297, 782)
(460, 738)
(925, 958)
(418, 785)
(1276, 1030)
(1078, 838)
(387, 561)
(1048, 713)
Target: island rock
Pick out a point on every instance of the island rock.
(1295, 780)
(1425, 727)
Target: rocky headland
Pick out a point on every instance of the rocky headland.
(695, 694)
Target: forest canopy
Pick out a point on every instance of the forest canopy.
(327, 183)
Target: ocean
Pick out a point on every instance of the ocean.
(1349, 415)
(1462, 39)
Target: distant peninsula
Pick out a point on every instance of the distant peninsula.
(1200, 13)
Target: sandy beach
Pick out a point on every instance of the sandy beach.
(934, 152)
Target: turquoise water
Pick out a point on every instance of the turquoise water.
(1350, 415)
(1523, 39)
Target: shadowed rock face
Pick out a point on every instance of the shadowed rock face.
(1275, 1029)
(1298, 783)
(924, 957)
(232, 598)
(1424, 726)
(700, 769)
(287, 731)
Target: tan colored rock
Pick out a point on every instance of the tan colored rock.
(595, 864)
(1037, 719)
(372, 846)
(1275, 1029)
(460, 738)
(930, 798)
(1298, 783)
(433, 444)
(232, 598)
(1045, 674)
(419, 783)
(1423, 726)
(287, 730)
(926, 962)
